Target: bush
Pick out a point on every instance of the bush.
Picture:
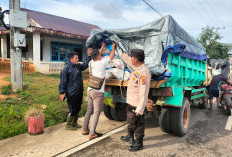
(6, 90)
(11, 120)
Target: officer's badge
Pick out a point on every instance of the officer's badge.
(144, 79)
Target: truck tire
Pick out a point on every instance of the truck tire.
(164, 120)
(180, 118)
(121, 111)
(106, 109)
(203, 104)
(114, 113)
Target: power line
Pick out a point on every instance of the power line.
(157, 11)
(207, 13)
(118, 13)
(208, 23)
(213, 11)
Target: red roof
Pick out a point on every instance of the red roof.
(58, 23)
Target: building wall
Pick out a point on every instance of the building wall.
(47, 46)
(46, 65)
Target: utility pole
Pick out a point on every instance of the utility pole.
(0, 14)
(218, 29)
(15, 53)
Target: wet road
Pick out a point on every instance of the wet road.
(207, 137)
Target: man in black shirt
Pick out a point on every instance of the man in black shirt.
(71, 86)
(214, 88)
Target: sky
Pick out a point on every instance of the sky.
(192, 15)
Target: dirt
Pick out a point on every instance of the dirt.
(5, 83)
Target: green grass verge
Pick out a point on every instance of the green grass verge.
(38, 90)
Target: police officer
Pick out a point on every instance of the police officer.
(71, 86)
(137, 98)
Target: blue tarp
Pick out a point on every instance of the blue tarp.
(176, 49)
(184, 53)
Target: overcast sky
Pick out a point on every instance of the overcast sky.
(192, 15)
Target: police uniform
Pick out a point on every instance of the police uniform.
(137, 97)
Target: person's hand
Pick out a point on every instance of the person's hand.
(62, 96)
(89, 51)
(103, 44)
(137, 114)
(113, 45)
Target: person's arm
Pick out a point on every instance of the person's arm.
(144, 86)
(127, 60)
(103, 45)
(112, 52)
(85, 65)
(63, 83)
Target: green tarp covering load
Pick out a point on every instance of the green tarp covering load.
(152, 38)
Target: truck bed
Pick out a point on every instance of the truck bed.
(117, 82)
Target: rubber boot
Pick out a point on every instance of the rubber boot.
(128, 138)
(69, 123)
(138, 145)
(74, 122)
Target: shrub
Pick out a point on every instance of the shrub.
(6, 90)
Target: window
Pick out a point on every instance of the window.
(60, 51)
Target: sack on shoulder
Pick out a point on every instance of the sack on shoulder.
(95, 82)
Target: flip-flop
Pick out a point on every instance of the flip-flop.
(98, 135)
(85, 132)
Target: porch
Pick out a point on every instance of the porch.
(29, 66)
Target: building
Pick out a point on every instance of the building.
(49, 39)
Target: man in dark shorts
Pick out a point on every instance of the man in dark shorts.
(214, 88)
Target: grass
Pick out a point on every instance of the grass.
(38, 90)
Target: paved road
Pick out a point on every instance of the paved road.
(207, 137)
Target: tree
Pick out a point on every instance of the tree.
(209, 40)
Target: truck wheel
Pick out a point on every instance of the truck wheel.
(121, 111)
(114, 113)
(203, 104)
(164, 120)
(180, 118)
(106, 109)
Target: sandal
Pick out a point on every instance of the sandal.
(85, 132)
(96, 135)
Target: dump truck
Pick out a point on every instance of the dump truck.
(178, 65)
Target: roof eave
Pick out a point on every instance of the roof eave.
(49, 32)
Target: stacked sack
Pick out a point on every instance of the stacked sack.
(115, 70)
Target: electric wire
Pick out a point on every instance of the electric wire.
(207, 13)
(157, 11)
(209, 5)
(207, 22)
(118, 13)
